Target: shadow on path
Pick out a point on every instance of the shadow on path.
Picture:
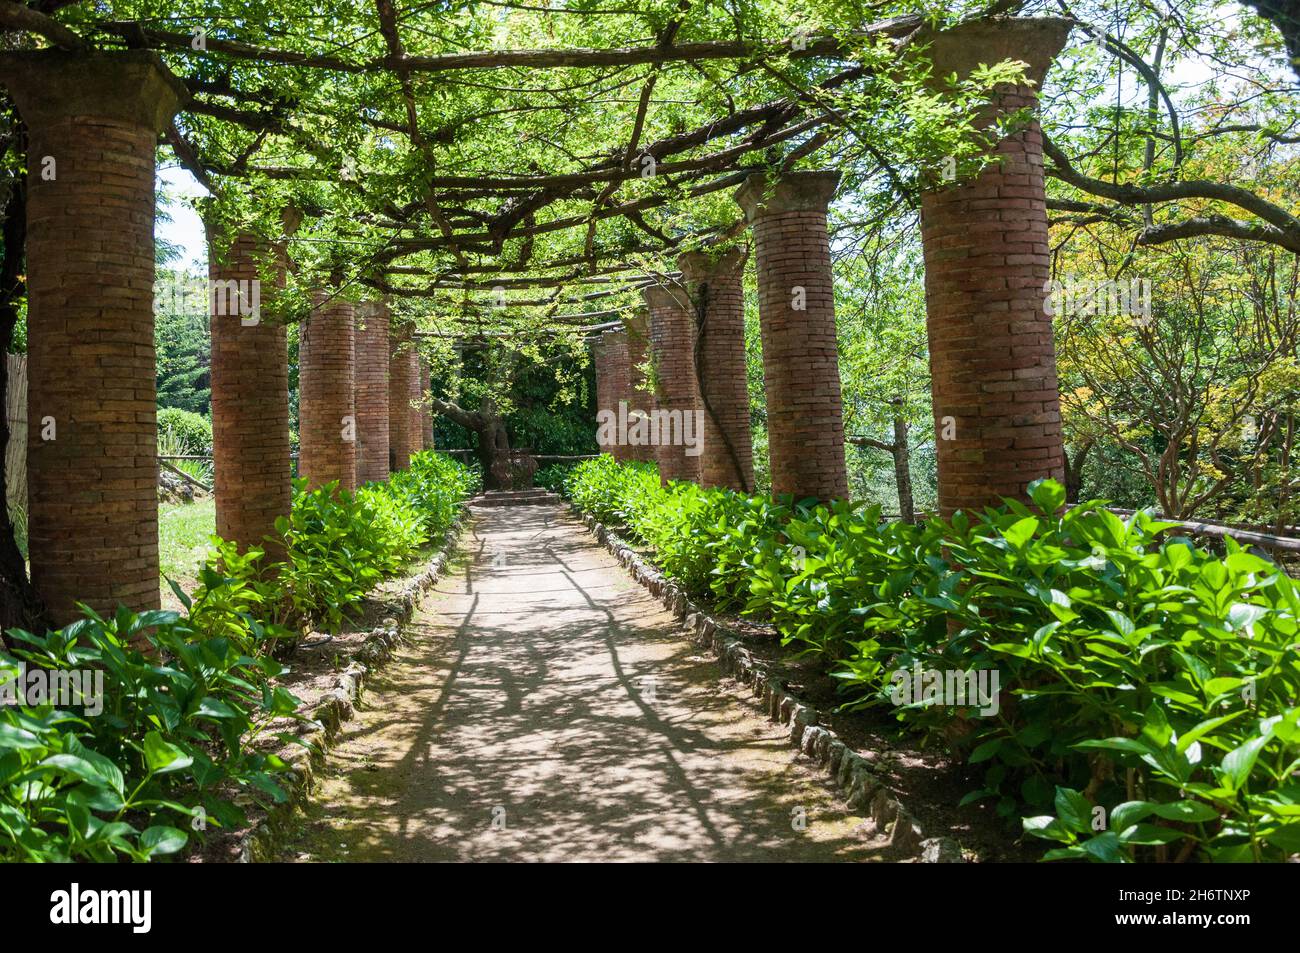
(545, 707)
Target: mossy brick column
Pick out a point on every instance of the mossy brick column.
(250, 398)
(796, 311)
(426, 412)
(992, 356)
(371, 350)
(416, 403)
(638, 395)
(93, 122)
(716, 286)
(677, 396)
(400, 388)
(327, 425)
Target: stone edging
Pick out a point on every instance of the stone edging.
(337, 706)
(864, 792)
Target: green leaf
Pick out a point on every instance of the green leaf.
(1129, 813)
(159, 840)
(1021, 531)
(1237, 764)
(163, 756)
(1048, 495)
(1150, 835)
(1073, 809)
(1189, 812)
(1105, 847)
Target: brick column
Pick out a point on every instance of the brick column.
(371, 351)
(416, 401)
(992, 356)
(609, 355)
(426, 412)
(400, 388)
(327, 426)
(92, 466)
(796, 311)
(718, 284)
(252, 469)
(672, 341)
(638, 395)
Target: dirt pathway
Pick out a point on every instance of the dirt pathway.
(547, 708)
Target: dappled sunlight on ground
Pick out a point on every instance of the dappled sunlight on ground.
(545, 707)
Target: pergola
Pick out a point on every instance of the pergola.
(96, 106)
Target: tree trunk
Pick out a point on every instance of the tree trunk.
(901, 452)
(20, 606)
(1074, 472)
(493, 440)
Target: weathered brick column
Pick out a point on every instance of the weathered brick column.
(992, 357)
(92, 466)
(416, 402)
(426, 412)
(677, 397)
(252, 469)
(371, 351)
(609, 355)
(718, 284)
(327, 426)
(400, 389)
(796, 311)
(638, 395)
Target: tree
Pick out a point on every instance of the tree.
(1203, 391)
(493, 441)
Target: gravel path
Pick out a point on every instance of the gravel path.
(545, 707)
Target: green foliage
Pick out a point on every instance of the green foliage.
(338, 545)
(1154, 676)
(183, 343)
(171, 753)
(185, 431)
(184, 532)
(553, 477)
(185, 698)
(610, 491)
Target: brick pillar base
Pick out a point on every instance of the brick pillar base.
(250, 404)
(399, 398)
(372, 392)
(728, 459)
(992, 358)
(92, 466)
(638, 395)
(677, 400)
(326, 412)
(805, 418)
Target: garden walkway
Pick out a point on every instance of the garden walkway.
(545, 707)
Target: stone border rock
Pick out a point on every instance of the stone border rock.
(864, 792)
(337, 706)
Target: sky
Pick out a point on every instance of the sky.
(184, 229)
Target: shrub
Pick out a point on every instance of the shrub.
(1141, 675)
(552, 477)
(338, 545)
(186, 697)
(170, 753)
(185, 431)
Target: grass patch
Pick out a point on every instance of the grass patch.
(183, 531)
